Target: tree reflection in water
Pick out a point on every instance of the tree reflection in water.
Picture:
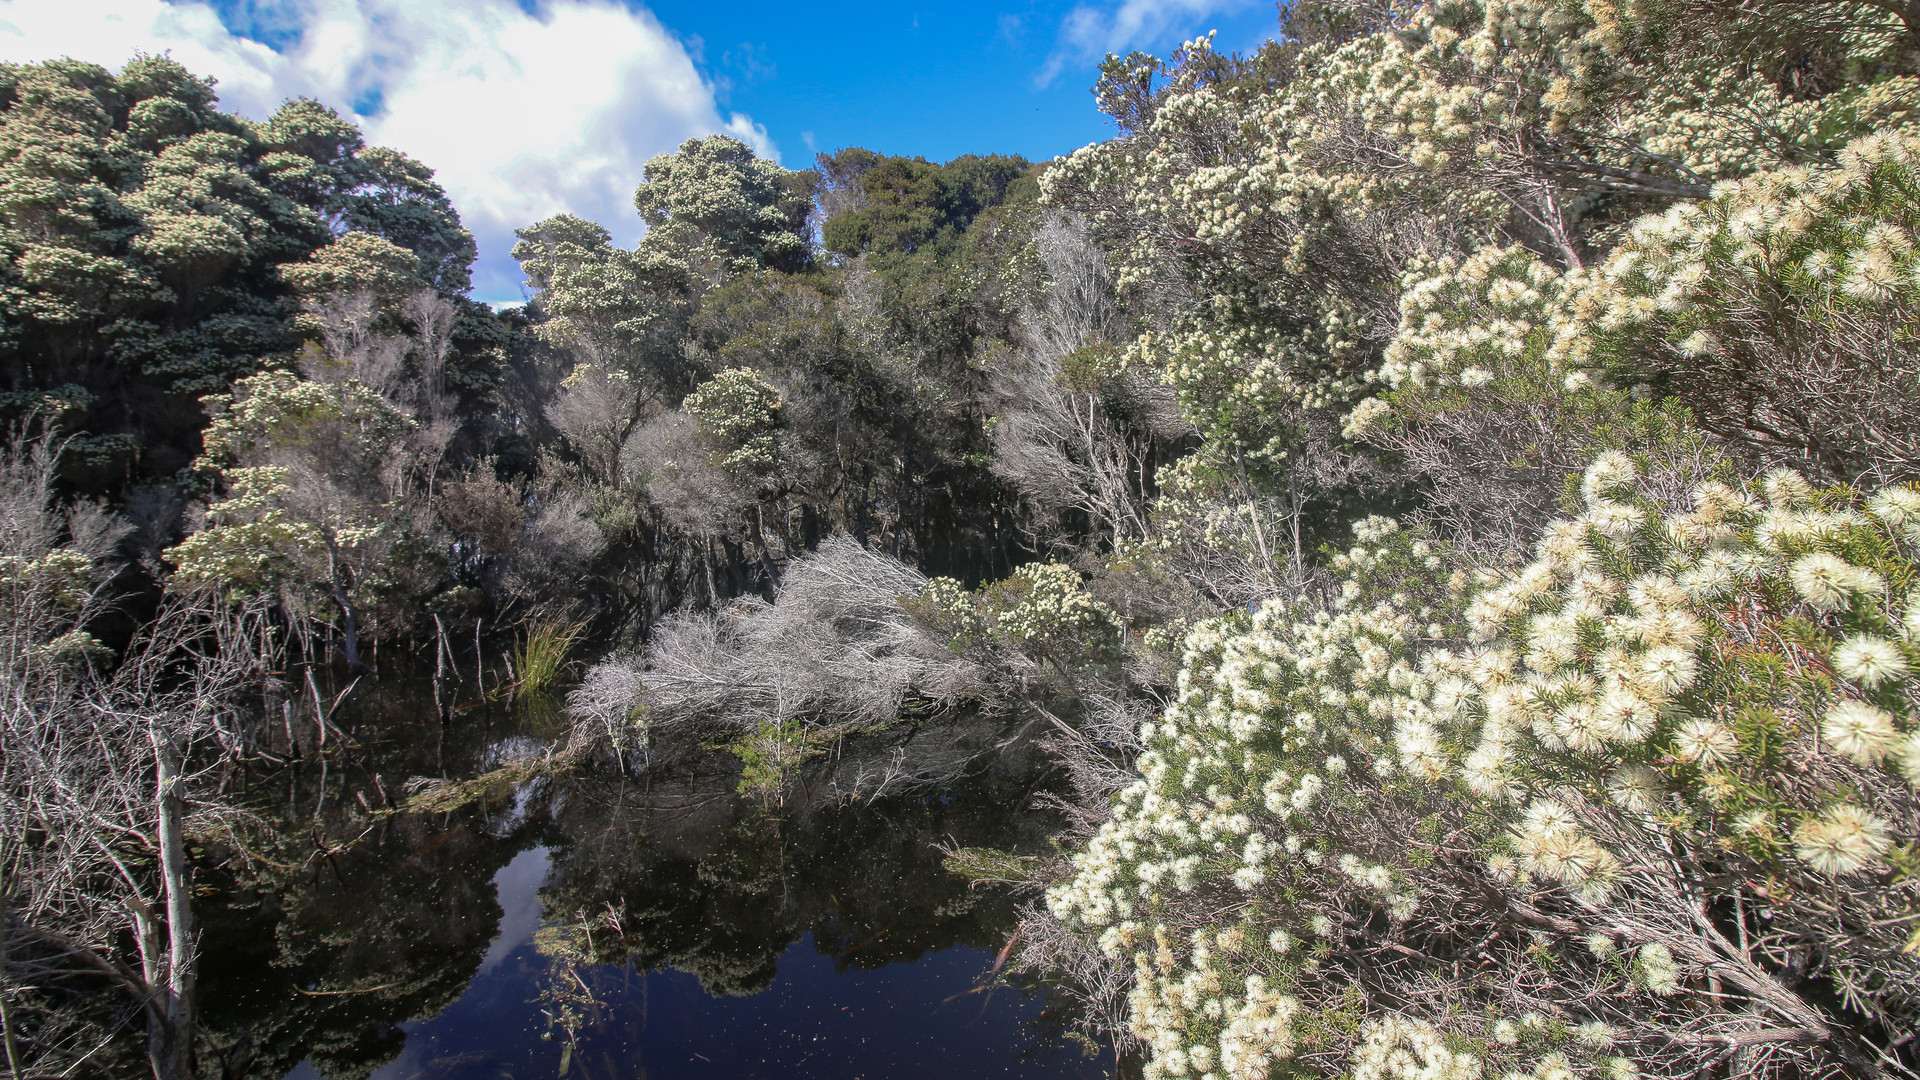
(667, 899)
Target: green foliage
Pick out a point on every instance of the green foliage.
(608, 307)
(771, 756)
(899, 206)
(1045, 603)
(356, 263)
(741, 411)
(1262, 212)
(978, 866)
(279, 411)
(714, 204)
(250, 540)
(141, 235)
(1779, 310)
(317, 481)
(1042, 613)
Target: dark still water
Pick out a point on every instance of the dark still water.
(606, 926)
(818, 1018)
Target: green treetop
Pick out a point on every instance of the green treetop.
(716, 203)
(141, 235)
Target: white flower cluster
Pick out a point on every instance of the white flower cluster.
(1052, 603)
(1266, 198)
(1686, 669)
(1460, 312)
(1396, 1048)
(1467, 322)
(1828, 231)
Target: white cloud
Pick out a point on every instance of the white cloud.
(1091, 31)
(521, 115)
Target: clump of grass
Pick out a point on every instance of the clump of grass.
(540, 659)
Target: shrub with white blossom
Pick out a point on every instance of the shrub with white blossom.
(1780, 310)
(1645, 805)
(1481, 393)
(1040, 615)
(1264, 209)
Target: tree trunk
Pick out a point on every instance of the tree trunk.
(170, 1019)
(6, 1011)
(349, 617)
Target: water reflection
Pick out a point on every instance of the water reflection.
(611, 926)
(517, 886)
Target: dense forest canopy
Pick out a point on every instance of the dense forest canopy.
(1446, 482)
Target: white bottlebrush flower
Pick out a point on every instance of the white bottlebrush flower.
(1779, 528)
(1908, 756)
(1696, 343)
(1626, 717)
(1485, 772)
(1636, 788)
(1654, 969)
(1897, 506)
(1668, 670)
(1822, 580)
(1758, 824)
(1911, 622)
(1786, 488)
(1715, 501)
(1842, 840)
(1611, 475)
(1548, 817)
(1579, 726)
(1870, 660)
(1364, 417)
(1569, 857)
(1651, 591)
(1616, 521)
(1671, 627)
(1712, 577)
(1707, 742)
(1861, 731)
(1551, 647)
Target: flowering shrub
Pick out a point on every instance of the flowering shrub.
(1463, 320)
(311, 482)
(1481, 392)
(1781, 309)
(742, 411)
(1644, 803)
(249, 537)
(1265, 209)
(278, 409)
(1043, 609)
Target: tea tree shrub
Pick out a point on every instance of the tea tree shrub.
(1780, 310)
(1644, 804)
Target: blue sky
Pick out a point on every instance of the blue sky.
(938, 79)
(527, 108)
